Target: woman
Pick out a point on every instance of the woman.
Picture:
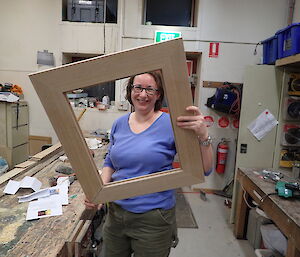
(142, 142)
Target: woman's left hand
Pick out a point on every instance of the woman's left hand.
(194, 122)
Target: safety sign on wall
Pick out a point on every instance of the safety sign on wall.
(214, 49)
(209, 121)
(223, 122)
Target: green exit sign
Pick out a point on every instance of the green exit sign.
(163, 36)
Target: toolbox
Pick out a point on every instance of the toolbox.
(86, 11)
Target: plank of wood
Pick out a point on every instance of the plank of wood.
(80, 236)
(217, 84)
(10, 174)
(292, 250)
(293, 60)
(241, 209)
(70, 243)
(36, 143)
(43, 154)
(23, 167)
(25, 164)
(81, 114)
(29, 171)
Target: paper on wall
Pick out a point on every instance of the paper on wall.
(263, 124)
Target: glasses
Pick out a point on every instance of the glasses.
(148, 90)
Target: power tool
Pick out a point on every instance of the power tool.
(287, 190)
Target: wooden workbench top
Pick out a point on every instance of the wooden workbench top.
(290, 206)
(43, 237)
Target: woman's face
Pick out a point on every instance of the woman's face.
(144, 101)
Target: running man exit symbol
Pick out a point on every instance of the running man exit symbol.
(213, 50)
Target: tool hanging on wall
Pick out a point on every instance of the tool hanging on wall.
(293, 110)
(294, 85)
(222, 152)
(292, 136)
(227, 99)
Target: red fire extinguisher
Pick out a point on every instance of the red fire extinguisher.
(222, 151)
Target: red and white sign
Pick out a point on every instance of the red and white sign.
(209, 121)
(223, 122)
(235, 123)
(214, 50)
(189, 64)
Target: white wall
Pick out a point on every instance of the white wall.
(28, 27)
(35, 25)
(237, 24)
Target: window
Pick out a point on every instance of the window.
(100, 90)
(96, 91)
(111, 11)
(169, 12)
(90, 10)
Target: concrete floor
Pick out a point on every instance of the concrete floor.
(214, 237)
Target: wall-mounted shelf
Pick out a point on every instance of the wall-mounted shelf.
(217, 84)
(290, 61)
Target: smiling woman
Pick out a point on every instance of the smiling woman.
(152, 81)
(143, 143)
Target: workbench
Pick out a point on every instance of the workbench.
(285, 213)
(52, 236)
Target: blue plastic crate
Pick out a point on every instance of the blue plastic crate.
(289, 40)
(270, 50)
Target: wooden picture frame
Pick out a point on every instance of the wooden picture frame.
(51, 86)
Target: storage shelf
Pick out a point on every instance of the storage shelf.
(290, 61)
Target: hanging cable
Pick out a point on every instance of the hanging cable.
(255, 49)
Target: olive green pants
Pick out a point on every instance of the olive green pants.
(149, 234)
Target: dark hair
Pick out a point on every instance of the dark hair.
(157, 77)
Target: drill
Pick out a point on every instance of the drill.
(288, 190)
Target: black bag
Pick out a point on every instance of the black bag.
(227, 99)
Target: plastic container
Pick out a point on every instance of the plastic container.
(270, 50)
(289, 40)
(3, 165)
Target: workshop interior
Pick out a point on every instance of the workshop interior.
(242, 70)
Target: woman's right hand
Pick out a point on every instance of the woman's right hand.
(92, 206)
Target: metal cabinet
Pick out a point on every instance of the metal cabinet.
(262, 90)
(265, 87)
(14, 132)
